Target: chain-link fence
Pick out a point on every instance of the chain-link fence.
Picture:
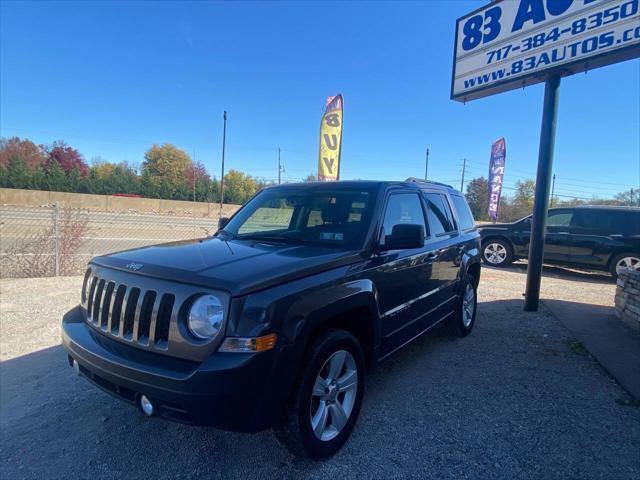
(49, 240)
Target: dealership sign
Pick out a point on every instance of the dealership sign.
(514, 43)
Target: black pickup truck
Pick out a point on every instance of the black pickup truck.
(275, 320)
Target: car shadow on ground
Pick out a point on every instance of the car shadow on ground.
(57, 425)
(556, 271)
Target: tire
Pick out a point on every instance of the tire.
(502, 253)
(628, 259)
(464, 317)
(305, 409)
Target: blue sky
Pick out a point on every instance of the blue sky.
(113, 78)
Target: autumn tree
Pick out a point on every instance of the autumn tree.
(29, 152)
(166, 161)
(66, 157)
(239, 187)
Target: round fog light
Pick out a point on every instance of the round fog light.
(146, 406)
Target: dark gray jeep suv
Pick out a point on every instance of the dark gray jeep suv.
(274, 321)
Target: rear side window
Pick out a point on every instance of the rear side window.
(465, 217)
(439, 214)
(605, 222)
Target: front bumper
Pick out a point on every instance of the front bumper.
(231, 391)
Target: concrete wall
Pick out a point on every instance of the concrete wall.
(627, 299)
(110, 203)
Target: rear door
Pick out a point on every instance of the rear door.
(443, 242)
(595, 234)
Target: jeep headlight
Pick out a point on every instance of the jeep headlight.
(206, 316)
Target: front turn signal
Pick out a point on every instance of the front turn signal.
(248, 344)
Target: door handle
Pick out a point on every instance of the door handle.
(432, 256)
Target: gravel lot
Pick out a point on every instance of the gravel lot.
(512, 400)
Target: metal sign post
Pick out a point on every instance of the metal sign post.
(543, 187)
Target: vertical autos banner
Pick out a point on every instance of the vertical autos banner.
(330, 140)
(496, 175)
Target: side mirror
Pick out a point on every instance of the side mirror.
(222, 222)
(404, 237)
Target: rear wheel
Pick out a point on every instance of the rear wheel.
(625, 260)
(464, 317)
(497, 253)
(327, 399)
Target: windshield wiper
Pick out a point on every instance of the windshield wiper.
(272, 238)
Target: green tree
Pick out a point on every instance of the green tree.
(56, 178)
(17, 174)
(148, 185)
(478, 197)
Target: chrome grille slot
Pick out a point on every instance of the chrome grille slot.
(129, 314)
(163, 320)
(106, 305)
(92, 291)
(97, 304)
(116, 311)
(144, 319)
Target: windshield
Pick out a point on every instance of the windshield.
(324, 216)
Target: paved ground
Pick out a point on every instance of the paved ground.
(516, 399)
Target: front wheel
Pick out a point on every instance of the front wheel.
(327, 399)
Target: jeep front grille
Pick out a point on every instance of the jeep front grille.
(143, 312)
(132, 314)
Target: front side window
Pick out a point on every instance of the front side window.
(321, 216)
(402, 209)
(439, 215)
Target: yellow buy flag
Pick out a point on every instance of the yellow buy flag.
(330, 140)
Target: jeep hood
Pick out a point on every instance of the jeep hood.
(238, 266)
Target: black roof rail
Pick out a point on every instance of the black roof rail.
(430, 182)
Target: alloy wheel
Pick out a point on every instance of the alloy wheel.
(334, 395)
(495, 253)
(628, 262)
(468, 305)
